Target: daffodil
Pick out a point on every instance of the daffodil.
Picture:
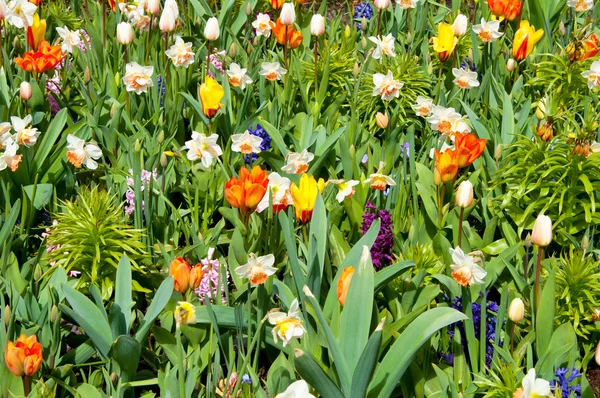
(593, 75)
(286, 326)
(185, 313)
(464, 270)
(297, 162)
(280, 194)
(203, 148)
(257, 269)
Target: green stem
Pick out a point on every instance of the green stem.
(538, 268)
(181, 363)
(460, 221)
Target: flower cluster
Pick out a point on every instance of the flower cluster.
(265, 144)
(145, 177)
(381, 251)
(565, 383)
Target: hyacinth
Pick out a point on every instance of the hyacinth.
(216, 60)
(365, 10)
(145, 177)
(563, 382)
(162, 88)
(85, 42)
(211, 279)
(468, 65)
(264, 145)
(54, 85)
(381, 252)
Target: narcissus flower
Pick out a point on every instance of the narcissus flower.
(185, 314)
(24, 357)
(245, 143)
(444, 120)
(593, 75)
(81, 153)
(581, 5)
(36, 32)
(384, 46)
(262, 25)
(211, 93)
(247, 191)
(423, 106)
(287, 326)
(20, 13)
(70, 39)
(446, 166)
(345, 188)
(138, 78)
(25, 133)
(297, 162)
(525, 38)
(465, 270)
(464, 78)
(45, 58)
(304, 197)
(488, 31)
(445, 41)
(379, 181)
(386, 86)
(179, 269)
(298, 389)
(280, 194)
(272, 71)
(534, 387)
(238, 76)
(257, 269)
(286, 34)
(203, 148)
(406, 4)
(181, 53)
(468, 148)
(344, 284)
(9, 157)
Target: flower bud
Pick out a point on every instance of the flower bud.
(25, 91)
(124, 33)
(180, 271)
(356, 69)
(153, 6)
(363, 22)
(511, 64)
(528, 241)
(460, 25)
(37, 273)
(161, 136)
(561, 28)
(516, 310)
(232, 50)
(138, 146)
(87, 75)
(248, 9)
(409, 38)
(344, 284)
(167, 20)
(196, 274)
(542, 231)
(382, 120)
(381, 4)
(347, 31)
(498, 152)
(53, 314)
(363, 43)
(163, 160)
(288, 14)
(7, 314)
(597, 355)
(211, 30)
(464, 194)
(113, 110)
(317, 25)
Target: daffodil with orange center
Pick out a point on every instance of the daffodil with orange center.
(258, 269)
(246, 192)
(468, 148)
(525, 39)
(465, 271)
(211, 93)
(446, 166)
(24, 357)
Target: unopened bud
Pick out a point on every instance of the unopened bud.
(53, 314)
(248, 9)
(511, 64)
(7, 314)
(364, 23)
(498, 152)
(163, 160)
(38, 273)
(356, 70)
(597, 355)
(470, 56)
(542, 231)
(363, 43)
(528, 242)
(516, 310)
(347, 32)
(25, 91)
(585, 242)
(161, 136)
(409, 38)
(17, 44)
(87, 76)
(561, 28)
(113, 110)
(464, 194)
(232, 50)
(382, 120)
(138, 146)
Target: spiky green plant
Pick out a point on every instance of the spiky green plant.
(501, 382)
(90, 235)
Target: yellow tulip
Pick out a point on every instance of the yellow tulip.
(211, 93)
(304, 197)
(525, 39)
(36, 32)
(445, 42)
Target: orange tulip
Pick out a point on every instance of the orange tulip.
(468, 148)
(286, 34)
(196, 274)
(446, 166)
(591, 47)
(246, 191)
(344, 284)
(277, 4)
(509, 9)
(525, 38)
(45, 58)
(24, 357)
(180, 271)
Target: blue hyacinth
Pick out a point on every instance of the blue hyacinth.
(264, 145)
(365, 10)
(563, 382)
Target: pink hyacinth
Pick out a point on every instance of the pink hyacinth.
(211, 279)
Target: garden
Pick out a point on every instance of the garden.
(296, 199)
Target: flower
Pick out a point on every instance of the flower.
(379, 180)
(153, 6)
(344, 284)
(516, 310)
(382, 120)
(386, 86)
(464, 270)
(185, 314)
(345, 188)
(124, 33)
(20, 13)
(36, 32)
(24, 357)
(423, 106)
(204, 148)
(245, 143)
(287, 326)
(211, 30)
(590, 47)
(385, 46)
(581, 5)
(286, 34)
(317, 24)
(381, 251)
(213, 279)
(542, 231)
(79, 153)
(445, 41)
(45, 58)
(169, 16)
(280, 194)
(460, 25)
(525, 38)
(288, 14)
(406, 4)
(509, 9)
(257, 269)
(276, 4)
(238, 76)
(304, 197)
(446, 166)
(262, 24)
(259, 131)
(468, 148)
(488, 31)
(297, 163)
(298, 389)
(363, 10)
(593, 75)
(181, 53)
(210, 93)
(464, 194)
(179, 269)
(25, 133)
(464, 78)
(9, 157)
(443, 119)
(247, 191)
(533, 387)
(563, 383)
(272, 71)
(138, 78)
(70, 39)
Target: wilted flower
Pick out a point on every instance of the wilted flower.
(181, 53)
(488, 31)
(203, 148)
(262, 24)
(258, 269)
(272, 71)
(81, 153)
(297, 162)
(384, 46)
(287, 326)
(386, 86)
(465, 270)
(238, 76)
(24, 357)
(593, 75)
(465, 79)
(247, 191)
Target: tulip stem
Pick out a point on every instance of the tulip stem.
(148, 39)
(440, 205)
(512, 336)
(316, 55)
(181, 363)
(26, 385)
(538, 267)
(104, 23)
(304, 232)
(526, 265)
(460, 222)
(378, 22)
(208, 57)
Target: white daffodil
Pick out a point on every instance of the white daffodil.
(262, 24)
(297, 163)
(80, 153)
(593, 75)
(386, 86)
(443, 119)
(20, 13)
(272, 71)
(245, 143)
(137, 77)
(464, 78)
(280, 193)
(181, 53)
(464, 270)
(423, 106)
(298, 389)
(258, 269)
(488, 31)
(9, 157)
(533, 387)
(25, 133)
(238, 76)
(287, 326)
(70, 39)
(385, 46)
(345, 188)
(203, 148)
(581, 5)
(406, 4)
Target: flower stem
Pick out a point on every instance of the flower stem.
(181, 363)
(460, 222)
(316, 55)
(378, 22)
(512, 337)
(208, 57)
(26, 385)
(538, 267)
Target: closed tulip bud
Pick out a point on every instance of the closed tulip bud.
(153, 6)
(597, 355)
(561, 28)
(124, 33)
(25, 91)
(232, 50)
(317, 25)
(113, 110)
(363, 22)
(248, 9)
(138, 146)
(460, 25)
(542, 231)
(180, 271)
(464, 194)
(196, 274)
(167, 20)
(511, 64)
(163, 160)
(516, 310)
(288, 14)
(87, 75)
(381, 4)
(528, 241)
(17, 44)
(211, 30)
(409, 38)
(161, 136)
(363, 43)
(53, 314)
(7, 314)
(344, 284)
(498, 152)
(382, 120)
(347, 31)
(356, 70)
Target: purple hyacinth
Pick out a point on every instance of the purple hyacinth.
(145, 178)
(563, 382)
(162, 88)
(265, 145)
(212, 279)
(381, 252)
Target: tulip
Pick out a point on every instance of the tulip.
(468, 148)
(286, 34)
(288, 14)
(211, 30)
(513, 9)
(185, 314)
(24, 357)
(304, 197)
(248, 9)
(153, 6)
(167, 20)
(597, 354)
(542, 231)
(196, 274)
(247, 191)
(25, 91)
(516, 310)
(525, 38)
(464, 194)
(511, 64)
(446, 166)
(445, 42)
(124, 33)
(460, 25)
(382, 120)
(36, 32)
(180, 271)
(276, 4)
(317, 25)
(344, 284)
(381, 4)
(46, 58)
(211, 93)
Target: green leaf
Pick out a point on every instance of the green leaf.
(123, 298)
(385, 275)
(126, 352)
(366, 364)
(49, 138)
(160, 300)
(314, 375)
(88, 391)
(544, 322)
(43, 194)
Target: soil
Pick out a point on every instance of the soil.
(593, 377)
